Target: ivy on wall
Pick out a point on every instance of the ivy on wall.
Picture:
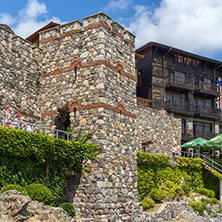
(27, 158)
(158, 171)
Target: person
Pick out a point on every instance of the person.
(174, 149)
(17, 121)
(8, 117)
(28, 127)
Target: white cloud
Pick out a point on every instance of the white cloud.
(31, 18)
(116, 5)
(33, 9)
(5, 18)
(190, 25)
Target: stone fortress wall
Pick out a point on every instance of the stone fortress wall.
(157, 129)
(19, 74)
(83, 74)
(90, 69)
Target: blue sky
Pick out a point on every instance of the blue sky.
(191, 25)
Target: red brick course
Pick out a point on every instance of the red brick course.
(118, 67)
(76, 104)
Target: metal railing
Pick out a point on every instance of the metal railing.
(208, 110)
(205, 86)
(184, 81)
(204, 134)
(59, 134)
(206, 160)
(178, 105)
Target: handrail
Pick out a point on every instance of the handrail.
(46, 130)
(208, 161)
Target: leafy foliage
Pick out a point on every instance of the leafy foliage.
(177, 178)
(157, 195)
(174, 191)
(40, 193)
(147, 204)
(14, 187)
(198, 207)
(206, 192)
(69, 208)
(27, 158)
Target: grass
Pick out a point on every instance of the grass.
(154, 208)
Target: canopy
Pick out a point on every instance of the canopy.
(196, 143)
(215, 142)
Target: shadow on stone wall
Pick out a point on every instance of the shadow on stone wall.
(62, 121)
(73, 182)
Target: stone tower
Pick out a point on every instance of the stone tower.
(88, 69)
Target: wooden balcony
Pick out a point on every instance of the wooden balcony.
(182, 108)
(205, 135)
(184, 84)
(207, 112)
(202, 88)
(186, 135)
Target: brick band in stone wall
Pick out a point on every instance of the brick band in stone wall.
(101, 62)
(118, 109)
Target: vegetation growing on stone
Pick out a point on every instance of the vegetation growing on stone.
(27, 158)
(14, 187)
(177, 177)
(206, 192)
(40, 193)
(147, 204)
(69, 208)
(158, 195)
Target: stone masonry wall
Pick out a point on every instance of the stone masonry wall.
(159, 127)
(19, 75)
(91, 71)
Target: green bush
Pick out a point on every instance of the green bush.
(40, 193)
(174, 191)
(14, 187)
(147, 204)
(157, 195)
(25, 156)
(155, 170)
(69, 208)
(186, 184)
(198, 207)
(206, 192)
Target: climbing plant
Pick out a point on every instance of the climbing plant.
(27, 158)
(176, 177)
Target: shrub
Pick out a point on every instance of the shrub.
(14, 187)
(174, 191)
(69, 208)
(157, 195)
(186, 184)
(206, 192)
(40, 193)
(147, 204)
(198, 207)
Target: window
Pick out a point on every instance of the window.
(189, 61)
(208, 82)
(167, 75)
(206, 103)
(139, 78)
(180, 59)
(183, 126)
(179, 77)
(202, 129)
(195, 79)
(203, 105)
(177, 100)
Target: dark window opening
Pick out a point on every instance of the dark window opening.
(202, 130)
(139, 78)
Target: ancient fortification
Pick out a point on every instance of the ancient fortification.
(83, 74)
